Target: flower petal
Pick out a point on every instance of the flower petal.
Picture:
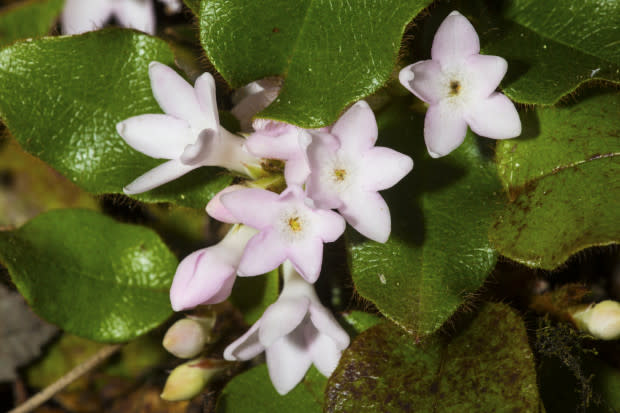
(485, 73)
(455, 39)
(201, 278)
(251, 99)
(326, 324)
(79, 16)
(263, 253)
(383, 168)
(275, 140)
(368, 213)
(217, 210)
(245, 347)
(205, 93)
(252, 206)
(495, 117)
(282, 317)
(296, 171)
(158, 136)
(307, 258)
(175, 96)
(139, 15)
(357, 128)
(322, 349)
(423, 79)
(444, 129)
(322, 155)
(157, 176)
(288, 361)
(329, 225)
(202, 150)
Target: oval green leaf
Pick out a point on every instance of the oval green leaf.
(27, 19)
(562, 179)
(61, 98)
(330, 53)
(90, 275)
(487, 366)
(439, 252)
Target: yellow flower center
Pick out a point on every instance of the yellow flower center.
(295, 224)
(455, 87)
(340, 174)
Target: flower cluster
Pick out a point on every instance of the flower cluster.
(333, 176)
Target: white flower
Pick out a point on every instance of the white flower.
(252, 98)
(294, 332)
(602, 320)
(189, 134)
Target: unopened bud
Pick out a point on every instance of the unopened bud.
(602, 320)
(188, 379)
(187, 337)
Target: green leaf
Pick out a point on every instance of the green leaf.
(552, 49)
(252, 295)
(252, 392)
(439, 252)
(360, 321)
(27, 19)
(194, 5)
(61, 98)
(562, 179)
(330, 53)
(487, 366)
(90, 275)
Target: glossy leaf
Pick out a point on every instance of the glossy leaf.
(26, 19)
(252, 295)
(486, 366)
(61, 98)
(438, 253)
(562, 178)
(330, 53)
(90, 275)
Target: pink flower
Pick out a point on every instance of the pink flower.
(189, 134)
(252, 98)
(459, 86)
(289, 228)
(294, 332)
(207, 275)
(348, 170)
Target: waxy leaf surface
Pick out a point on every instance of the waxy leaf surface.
(330, 53)
(486, 366)
(90, 275)
(438, 253)
(563, 179)
(62, 97)
(26, 19)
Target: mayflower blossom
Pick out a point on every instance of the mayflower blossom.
(79, 16)
(294, 332)
(206, 276)
(290, 228)
(348, 170)
(459, 86)
(189, 134)
(252, 98)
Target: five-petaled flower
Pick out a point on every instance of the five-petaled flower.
(294, 332)
(459, 86)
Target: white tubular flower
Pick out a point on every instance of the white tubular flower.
(252, 98)
(294, 332)
(81, 16)
(189, 134)
(602, 320)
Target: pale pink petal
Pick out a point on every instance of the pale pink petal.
(252, 206)
(139, 15)
(444, 129)
(245, 347)
(329, 225)
(175, 96)
(384, 167)
(307, 258)
(455, 40)
(495, 117)
(264, 252)
(281, 318)
(485, 73)
(322, 154)
(158, 136)
(202, 149)
(157, 176)
(368, 213)
(288, 361)
(357, 128)
(280, 141)
(216, 209)
(322, 349)
(79, 16)
(253, 98)
(201, 278)
(205, 92)
(423, 79)
(296, 171)
(326, 324)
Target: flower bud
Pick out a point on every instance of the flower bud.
(188, 379)
(602, 320)
(187, 337)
